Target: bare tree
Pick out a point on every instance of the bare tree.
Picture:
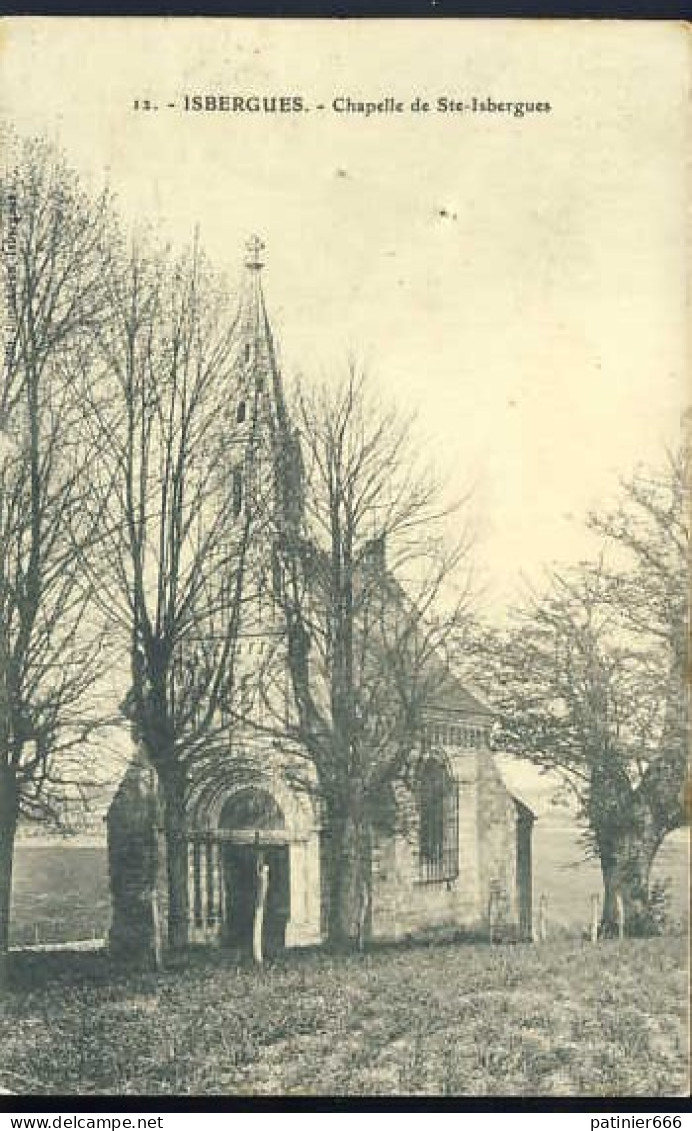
(174, 541)
(370, 608)
(589, 683)
(648, 587)
(50, 647)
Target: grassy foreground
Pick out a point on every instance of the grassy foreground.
(563, 1019)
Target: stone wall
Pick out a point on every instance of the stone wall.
(498, 852)
(135, 867)
(403, 906)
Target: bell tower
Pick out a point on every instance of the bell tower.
(265, 481)
(266, 471)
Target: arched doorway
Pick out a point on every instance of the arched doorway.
(253, 828)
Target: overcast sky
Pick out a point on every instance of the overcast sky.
(518, 283)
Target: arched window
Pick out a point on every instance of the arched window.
(240, 413)
(251, 808)
(438, 845)
(237, 491)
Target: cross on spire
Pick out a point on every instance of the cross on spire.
(253, 253)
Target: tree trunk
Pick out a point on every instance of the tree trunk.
(349, 882)
(134, 867)
(176, 861)
(625, 868)
(9, 816)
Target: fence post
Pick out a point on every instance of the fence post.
(594, 918)
(542, 919)
(258, 924)
(620, 914)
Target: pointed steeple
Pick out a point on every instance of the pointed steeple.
(261, 413)
(267, 489)
(257, 351)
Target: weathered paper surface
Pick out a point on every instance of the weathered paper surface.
(519, 282)
(493, 216)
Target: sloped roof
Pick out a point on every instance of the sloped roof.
(523, 806)
(450, 694)
(518, 799)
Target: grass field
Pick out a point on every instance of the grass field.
(60, 892)
(563, 1019)
(561, 873)
(61, 888)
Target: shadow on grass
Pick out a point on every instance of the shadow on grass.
(33, 970)
(38, 970)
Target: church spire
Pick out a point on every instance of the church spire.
(257, 351)
(254, 249)
(268, 430)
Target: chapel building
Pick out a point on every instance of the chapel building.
(459, 866)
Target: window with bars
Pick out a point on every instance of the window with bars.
(203, 896)
(438, 853)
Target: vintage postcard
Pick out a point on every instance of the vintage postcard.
(344, 441)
